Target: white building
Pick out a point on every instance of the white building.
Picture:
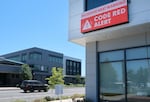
(116, 35)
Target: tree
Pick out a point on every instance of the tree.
(56, 78)
(26, 72)
(83, 81)
(108, 79)
(78, 79)
(142, 75)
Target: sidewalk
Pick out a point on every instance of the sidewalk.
(8, 88)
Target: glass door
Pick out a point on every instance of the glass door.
(112, 85)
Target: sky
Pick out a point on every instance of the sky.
(37, 23)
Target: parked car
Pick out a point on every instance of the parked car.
(31, 85)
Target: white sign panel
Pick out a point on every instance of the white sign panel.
(58, 89)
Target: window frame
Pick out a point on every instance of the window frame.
(125, 66)
(33, 56)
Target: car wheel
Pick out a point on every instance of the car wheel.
(31, 90)
(45, 90)
(25, 91)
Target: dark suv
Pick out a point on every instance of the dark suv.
(31, 85)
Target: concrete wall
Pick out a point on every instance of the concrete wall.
(76, 7)
(91, 70)
(124, 42)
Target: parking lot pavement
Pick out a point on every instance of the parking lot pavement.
(8, 88)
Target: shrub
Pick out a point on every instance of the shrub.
(48, 98)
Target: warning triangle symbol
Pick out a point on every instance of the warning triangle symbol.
(87, 25)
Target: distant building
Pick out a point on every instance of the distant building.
(42, 61)
(10, 71)
(72, 68)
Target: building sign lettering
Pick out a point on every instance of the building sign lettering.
(105, 16)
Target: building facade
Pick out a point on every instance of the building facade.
(72, 69)
(116, 35)
(41, 61)
(10, 72)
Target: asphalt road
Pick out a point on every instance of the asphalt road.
(13, 95)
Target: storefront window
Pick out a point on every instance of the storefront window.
(112, 76)
(138, 79)
(111, 56)
(112, 81)
(137, 53)
(124, 75)
(149, 52)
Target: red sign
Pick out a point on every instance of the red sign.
(105, 16)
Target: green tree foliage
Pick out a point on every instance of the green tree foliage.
(78, 79)
(26, 72)
(83, 81)
(142, 75)
(139, 76)
(108, 79)
(56, 78)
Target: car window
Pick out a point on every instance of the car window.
(31, 82)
